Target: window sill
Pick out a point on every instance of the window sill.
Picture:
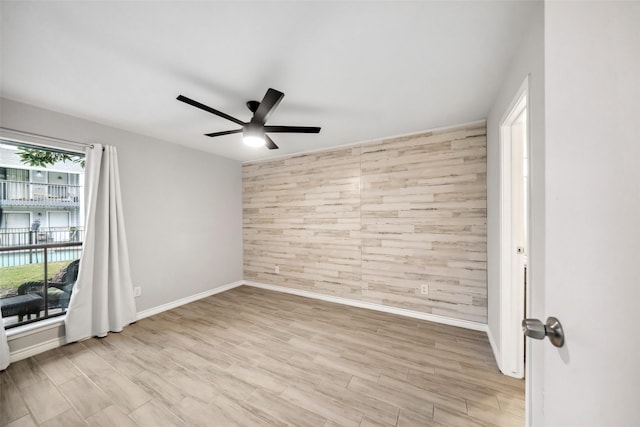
(32, 328)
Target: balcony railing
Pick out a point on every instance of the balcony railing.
(31, 194)
(12, 237)
(36, 281)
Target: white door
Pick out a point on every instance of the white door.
(19, 223)
(20, 220)
(592, 262)
(58, 225)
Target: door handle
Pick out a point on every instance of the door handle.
(534, 328)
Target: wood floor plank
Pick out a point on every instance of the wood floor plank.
(26, 372)
(457, 419)
(331, 409)
(409, 418)
(285, 411)
(158, 387)
(492, 415)
(368, 422)
(68, 418)
(122, 391)
(245, 413)
(109, 417)
(395, 397)
(228, 384)
(58, 369)
(255, 357)
(44, 400)
(155, 414)
(197, 413)
(374, 409)
(441, 399)
(12, 405)
(85, 396)
(484, 395)
(512, 403)
(92, 365)
(26, 421)
(192, 384)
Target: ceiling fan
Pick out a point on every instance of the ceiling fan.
(255, 131)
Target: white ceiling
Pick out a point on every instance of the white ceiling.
(361, 70)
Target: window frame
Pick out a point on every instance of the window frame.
(49, 251)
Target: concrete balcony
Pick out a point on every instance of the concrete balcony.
(33, 195)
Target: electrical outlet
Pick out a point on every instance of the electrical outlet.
(137, 291)
(424, 289)
(277, 269)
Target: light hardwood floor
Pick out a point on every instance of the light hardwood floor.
(255, 357)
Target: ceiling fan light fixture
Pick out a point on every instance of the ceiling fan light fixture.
(253, 141)
(253, 136)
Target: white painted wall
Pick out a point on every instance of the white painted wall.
(592, 64)
(183, 208)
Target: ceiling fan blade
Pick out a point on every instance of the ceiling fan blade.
(269, 143)
(292, 129)
(225, 132)
(209, 109)
(269, 103)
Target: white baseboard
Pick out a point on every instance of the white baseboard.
(186, 300)
(32, 350)
(372, 306)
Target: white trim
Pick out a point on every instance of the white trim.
(182, 301)
(368, 141)
(482, 327)
(511, 361)
(36, 349)
(34, 328)
(517, 98)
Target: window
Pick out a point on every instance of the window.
(41, 231)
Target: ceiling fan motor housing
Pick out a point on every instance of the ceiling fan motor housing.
(253, 106)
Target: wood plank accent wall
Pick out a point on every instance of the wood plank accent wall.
(375, 221)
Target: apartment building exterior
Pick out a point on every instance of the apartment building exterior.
(39, 204)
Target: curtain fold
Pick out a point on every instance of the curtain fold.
(102, 300)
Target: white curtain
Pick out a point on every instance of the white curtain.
(102, 298)
(4, 348)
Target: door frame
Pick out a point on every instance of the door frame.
(512, 304)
